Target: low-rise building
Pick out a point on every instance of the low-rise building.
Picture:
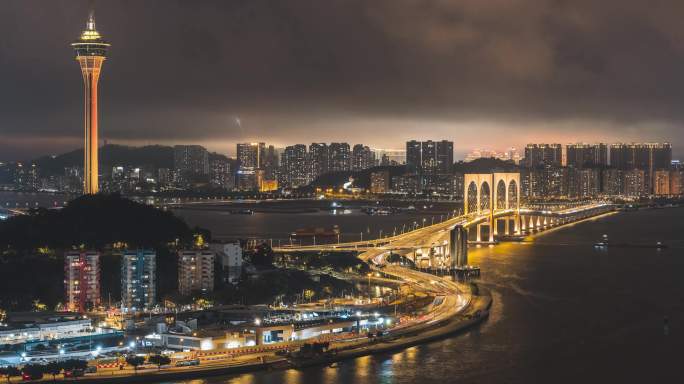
(380, 182)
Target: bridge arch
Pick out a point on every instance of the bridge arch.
(501, 195)
(495, 191)
(485, 197)
(471, 201)
(512, 197)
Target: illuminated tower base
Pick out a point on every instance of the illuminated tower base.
(90, 67)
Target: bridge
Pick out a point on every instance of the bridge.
(444, 245)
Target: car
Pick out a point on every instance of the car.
(187, 363)
(27, 376)
(74, 373)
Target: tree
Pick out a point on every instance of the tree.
(10, 372)
(159, 360)
(74, 364)
(135, 361)
(34, 370)
(53, 368)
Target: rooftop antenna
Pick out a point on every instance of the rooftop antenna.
(91, 16)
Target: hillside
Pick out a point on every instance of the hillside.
(155, 156)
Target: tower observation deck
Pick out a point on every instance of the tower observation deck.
(91, 51)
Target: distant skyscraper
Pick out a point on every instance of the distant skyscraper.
(82, 280)
(543, 154)
(221, 174)
(91, 51)
(318, 160)
(428, 155)
(270, 163)
(648, 157)
(413, 156)
(586, 155)
(293, 166)
(340, 158)
(362, 157)
(445, 156)
(138, 279)
(195, 271)
(634, 182)
(191, 160)
(251, 155)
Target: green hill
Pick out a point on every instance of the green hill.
(155, 156)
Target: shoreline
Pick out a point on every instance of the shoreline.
(475, 313)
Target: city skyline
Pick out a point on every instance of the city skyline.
(557, 93)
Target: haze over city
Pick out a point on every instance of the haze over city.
(494, 74)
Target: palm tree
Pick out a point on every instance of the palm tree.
(135, 361)
(159, 360)
(53, 368)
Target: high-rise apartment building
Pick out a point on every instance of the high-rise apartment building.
(251, 158)
(138, 279)
(586, 155)
(648, 157)
(634, 182)
(318, 160)
(362, 157)
(190, 160)
(612, 182)
(82, 280)
(270, 163)
(661, 183)
(294, 167)
(428, 156)
(444, 154)
(677, 182)
(413, 156)
(543, 154)
(221, 174)
(251, 155)
(195, 271)
(339, 157)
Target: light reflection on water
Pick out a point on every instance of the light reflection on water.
(563, 313)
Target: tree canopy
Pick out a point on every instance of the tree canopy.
(94, 221)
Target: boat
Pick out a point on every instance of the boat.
(603, 243)
(242, 212)
(317, 232)
(660, 245)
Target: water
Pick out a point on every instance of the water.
(563, 312)
(279, 226)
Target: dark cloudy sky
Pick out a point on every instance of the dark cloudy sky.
(483, 73)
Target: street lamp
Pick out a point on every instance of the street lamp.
(369, 287)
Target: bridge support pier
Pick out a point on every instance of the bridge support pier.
(458, 247)
(507, 226)
(492, 229)
(479, 233)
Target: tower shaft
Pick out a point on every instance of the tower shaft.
(90, 68)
